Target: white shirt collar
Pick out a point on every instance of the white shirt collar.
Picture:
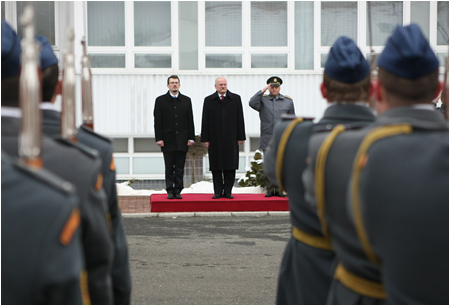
(8, 111)
(48, 106)
(173, 95)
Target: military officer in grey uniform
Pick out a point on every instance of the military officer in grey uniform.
(309, 259)
(327, 194)
(398, 194)
(79, 165)
(42, 255)
(121, 277)
(271, 107)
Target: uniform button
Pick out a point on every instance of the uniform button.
(176, 132)
(175, 115)
(329, 126)
(176, 123)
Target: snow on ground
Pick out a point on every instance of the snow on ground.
(200, 187)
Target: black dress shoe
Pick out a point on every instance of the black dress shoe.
(216, 196)
(277, 193)
(170, 196)
(270, 194)
(228, 196)
(178, 196)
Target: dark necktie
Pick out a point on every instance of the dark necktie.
(221, 98)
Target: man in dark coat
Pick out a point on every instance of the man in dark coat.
(223, 131)
(174, 132)
(309, 259)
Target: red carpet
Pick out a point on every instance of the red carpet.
(193, 202)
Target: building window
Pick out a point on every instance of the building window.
(269, 24)
(223, 24)
(420, 14)
(304, 35)
(145, 145)
(152, 23)
(44, 18)
(385, 17)
(107, 60)
(120, 145)
(442, 23)
(106, 23)
(153, 61)
(188, 35)
(269, 60)
(223, 60)
(337, 19)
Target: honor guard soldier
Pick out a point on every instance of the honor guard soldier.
(399, 188)
(271, 107)
(121, 277)
(78, 165)
(308, 262)
(42, 255)
(356, 279)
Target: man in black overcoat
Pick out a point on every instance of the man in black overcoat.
(223, 131)
(174, 132)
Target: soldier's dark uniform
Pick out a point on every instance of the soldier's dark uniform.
(325, 181)
(81, 167)
(308, 262)
(121, 278)
(399, 189)
(42, 255)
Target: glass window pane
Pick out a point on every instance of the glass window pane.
(304, 35)
(441, 58)
(106, 23)
(107, 60)
(323, 59)
(122, 165)
(241, 165)
(145, 145)
(120, 145)
(153, 61)
(188, 35)
(442, 23)
(269, 23)
(152, 20)
(223, 23)
(420, 14)
(269, 60)
(44, 18)
(148, 165)
(337, 19)
(254, 144)
(385, 17)
(223, 60)
(3, 10)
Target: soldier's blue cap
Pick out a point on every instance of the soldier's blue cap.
(345, 62)
(10, 51)
(48, 57)
(408, 54)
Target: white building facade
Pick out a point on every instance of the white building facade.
(136, 45)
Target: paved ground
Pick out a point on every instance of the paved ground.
(206, 260)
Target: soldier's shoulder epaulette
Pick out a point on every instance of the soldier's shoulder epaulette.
(88, 151)
(46, 177)
(289, 97)
(347, 126)
(265, 95)
(92, 132)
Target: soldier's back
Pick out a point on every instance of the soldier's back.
(42, 257)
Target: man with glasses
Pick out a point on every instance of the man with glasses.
(174, 132)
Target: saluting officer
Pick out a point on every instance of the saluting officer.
(80, 166)
(309, 259)
(121, 276)
(326, 190)
(42, 255)
(271, 107)
(399, 189)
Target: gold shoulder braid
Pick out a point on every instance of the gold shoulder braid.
(319, 176)
(358, 164)
(289, 97)
(282, 148)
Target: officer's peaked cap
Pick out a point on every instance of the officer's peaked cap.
(274, 81)
(345, 62)
(408, 54)
(10, 51)
(48, 57)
